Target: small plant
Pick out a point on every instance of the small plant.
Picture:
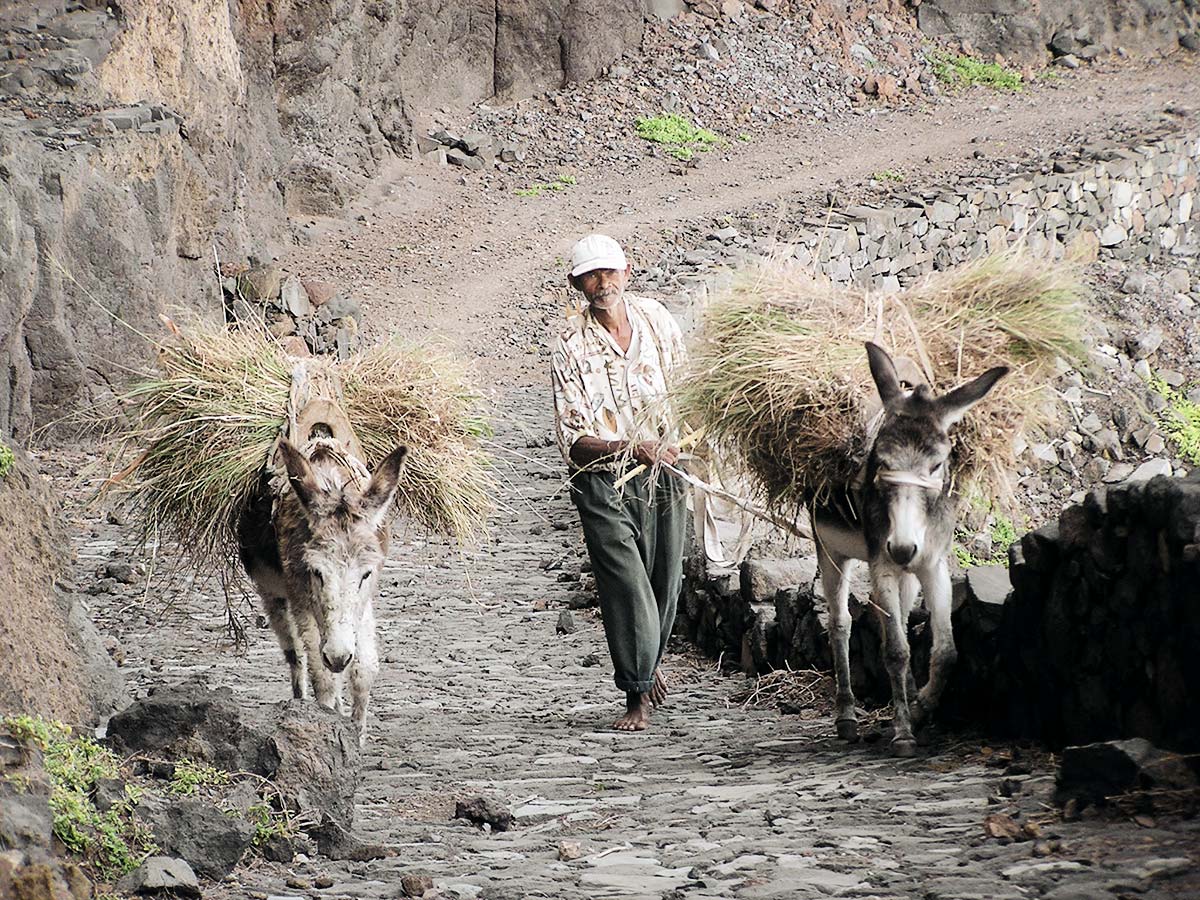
(1180, 421)
(190, 776)
(956, 70)
(744, 138)
(7, 459)
(268, 823)
(680, 137)
(889, 175)
(560, 183)
(1004, 535)
(110, 843)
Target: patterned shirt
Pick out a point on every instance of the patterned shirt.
(601, 391)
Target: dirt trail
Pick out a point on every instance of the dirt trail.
(471, 265)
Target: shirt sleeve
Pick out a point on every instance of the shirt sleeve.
(573, 417)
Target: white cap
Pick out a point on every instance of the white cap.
(597, 251)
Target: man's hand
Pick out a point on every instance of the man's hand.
(650, 452)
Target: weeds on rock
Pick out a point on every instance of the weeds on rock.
(111, 842)
(1180, 421)
(956, 70)
(1004, 535)
(680, 137)
(190, 776)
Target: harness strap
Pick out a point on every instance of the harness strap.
(892, 476)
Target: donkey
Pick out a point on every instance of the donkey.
(314, 550)
(901, 522)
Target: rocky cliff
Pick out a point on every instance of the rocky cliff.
(1027, 29)
(140, 137)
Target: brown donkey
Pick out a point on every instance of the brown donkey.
(314, 549)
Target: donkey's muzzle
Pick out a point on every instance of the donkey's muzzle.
(338, 662)
(902, 554)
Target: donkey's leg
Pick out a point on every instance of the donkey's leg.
(285, 633)
(836, 587)
(935, 580)
(909, 588)
(363, 673)
(323, 685)
(885, 586)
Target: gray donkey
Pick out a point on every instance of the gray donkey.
(314, 550)
(901, 522)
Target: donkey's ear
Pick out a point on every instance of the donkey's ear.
(300, 473)
(883, 371)
(377, 498)
(954, 405)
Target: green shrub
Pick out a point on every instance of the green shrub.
(958, 71)
(560, 183)
(7, 459)
(1180, 421)
(190, 776)
(110, 843)
(680, 137)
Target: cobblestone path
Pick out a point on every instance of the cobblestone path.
(479, 694)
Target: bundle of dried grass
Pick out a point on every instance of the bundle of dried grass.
(779, 374)
(207, 421)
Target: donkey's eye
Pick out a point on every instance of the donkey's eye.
(363, 580)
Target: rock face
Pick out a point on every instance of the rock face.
(541, 44)
(55, 664)
(1025, 29)
(159, 132)
(311, 754)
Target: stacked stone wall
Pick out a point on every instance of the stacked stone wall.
(1137, 203)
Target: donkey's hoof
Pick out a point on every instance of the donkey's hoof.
(904, 747)
(847, 730)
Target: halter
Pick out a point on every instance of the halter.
(893, 476)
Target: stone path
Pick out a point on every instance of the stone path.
(479, 694)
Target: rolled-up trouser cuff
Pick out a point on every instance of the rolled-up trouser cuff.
(634, 687)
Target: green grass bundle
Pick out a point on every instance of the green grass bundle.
(206, 422)
(779, 374)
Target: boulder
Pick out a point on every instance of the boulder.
(311, 754)
(209, 840)
(485, 810)
(762, 579)
(161, 875)
(662, 10)
(294, 299)
(1093, 773)
(261, 283)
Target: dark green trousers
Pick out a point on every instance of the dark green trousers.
(635, 541)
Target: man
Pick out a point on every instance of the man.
(610, 370)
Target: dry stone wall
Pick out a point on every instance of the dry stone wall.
(1095, 639)
(1138, 203)
(1099, 637)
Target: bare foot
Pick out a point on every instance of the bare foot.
(637, 713)
(658, 693)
